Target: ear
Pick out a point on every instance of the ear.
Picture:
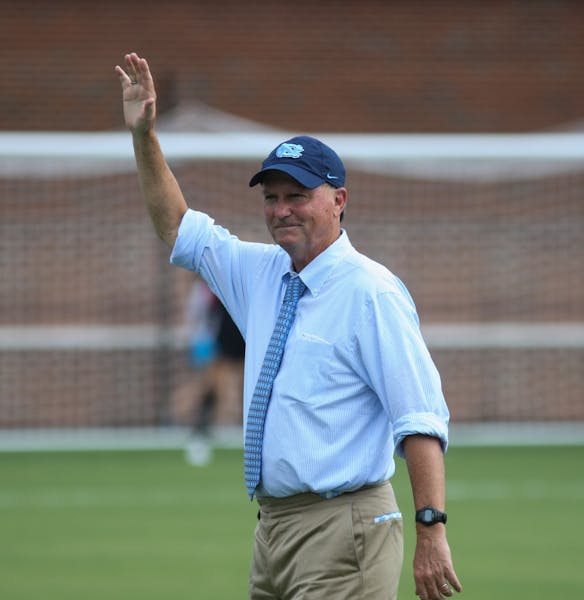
(340, 199)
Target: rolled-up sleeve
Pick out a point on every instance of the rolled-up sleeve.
(193, 234)
(435, 425)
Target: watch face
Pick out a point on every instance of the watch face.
(428, 515)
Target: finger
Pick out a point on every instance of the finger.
(123, 76)
(434, 590)
(132, 60)
(452, 579)
(421, 592)
(150, 109)
(445, 590)
(143, 73)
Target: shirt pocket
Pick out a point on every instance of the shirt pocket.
(311, 369)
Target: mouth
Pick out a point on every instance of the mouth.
(286, 226)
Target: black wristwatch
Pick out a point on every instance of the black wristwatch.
(428, 515)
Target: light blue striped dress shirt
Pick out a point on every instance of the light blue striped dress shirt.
(356, 377)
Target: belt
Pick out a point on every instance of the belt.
(305, 498)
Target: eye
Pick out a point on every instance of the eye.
(297, 197)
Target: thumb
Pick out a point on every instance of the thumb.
(150, 109)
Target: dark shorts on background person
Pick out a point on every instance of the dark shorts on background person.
(346, 548)
(229, 340)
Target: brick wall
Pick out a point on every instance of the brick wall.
(367, 65)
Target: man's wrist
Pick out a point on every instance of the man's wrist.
(143, 133)
(429, 516)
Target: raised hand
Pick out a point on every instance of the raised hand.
(139, 95)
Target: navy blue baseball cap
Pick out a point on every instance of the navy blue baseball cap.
(306, 159)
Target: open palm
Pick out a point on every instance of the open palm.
(139, 95)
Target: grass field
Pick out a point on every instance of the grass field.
(145, 525)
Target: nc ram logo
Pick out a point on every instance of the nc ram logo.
(289, 151)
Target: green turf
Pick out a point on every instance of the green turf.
(145, 525)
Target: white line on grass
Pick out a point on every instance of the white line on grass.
(82, 498)
(87, 497)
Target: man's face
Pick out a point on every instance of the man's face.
(303, 221)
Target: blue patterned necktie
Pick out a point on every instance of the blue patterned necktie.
(258, 407)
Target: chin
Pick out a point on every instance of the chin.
(286, 243)
(280, 234)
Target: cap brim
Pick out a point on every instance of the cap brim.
(306, 178)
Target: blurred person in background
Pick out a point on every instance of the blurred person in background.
(210, 402)
(356, 383)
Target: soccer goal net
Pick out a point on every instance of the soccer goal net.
(486, 232)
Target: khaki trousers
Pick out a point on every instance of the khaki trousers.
(346, 548)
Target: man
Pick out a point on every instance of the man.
(355, 382)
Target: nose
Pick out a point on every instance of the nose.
(281, 208)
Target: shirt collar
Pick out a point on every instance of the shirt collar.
(317, 271)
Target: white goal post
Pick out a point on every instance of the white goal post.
(117, 145)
